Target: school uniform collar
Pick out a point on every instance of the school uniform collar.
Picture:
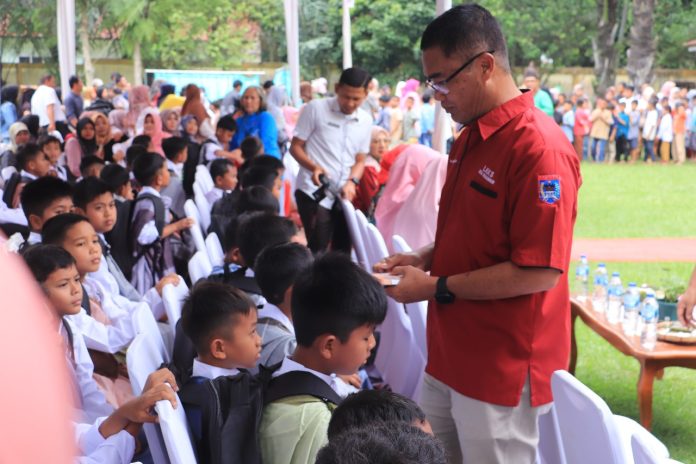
(201, 369)
(341, 388)
(28, 175)
(150, 190)
(333, 106)
(491, 122)
(271, 311)
(34, 238)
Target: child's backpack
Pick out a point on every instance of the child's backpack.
(12, 189)
(300, 383)
(118, 238)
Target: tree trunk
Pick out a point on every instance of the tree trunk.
(641, 51)
(604, 45)
(137, 64)
(86, 49)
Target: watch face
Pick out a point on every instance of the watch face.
(444, 298)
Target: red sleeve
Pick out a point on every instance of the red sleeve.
(367, 189)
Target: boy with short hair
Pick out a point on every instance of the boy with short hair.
(266, 177)
(176, 151)
(224, 174)
(50, 145)
(335, 308)
(43, 199)
(216, 147)
(119, 182)
(277, 268)
(91, 166)
(251, 147)
(32, 164)
(257, 198)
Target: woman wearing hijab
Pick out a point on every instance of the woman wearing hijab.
(138, 100)
(149, 123)
(19, 135)
(8, 111)
(367, 193)
(277, 100)
(84, 144)
(194, 106)
(106, 137)
(32, 123)
(170, 121)
(256, 122)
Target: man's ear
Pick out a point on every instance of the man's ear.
(217, 348)
(326, 344)
(35, 223)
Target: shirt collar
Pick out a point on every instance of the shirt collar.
(24, 173)
(271, 311)
(201, 369)
(341, 388)
(489, 123)
(150, 190)
(34, 238)
(333, 105)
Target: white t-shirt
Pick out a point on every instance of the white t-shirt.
(333, 139)
(43, 97)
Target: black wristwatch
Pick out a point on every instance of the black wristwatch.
(355, 180)
(442, 294)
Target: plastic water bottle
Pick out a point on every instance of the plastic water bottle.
(614, 295)
(599, 293)
(582, 276)
(649, 313)
(631, 301)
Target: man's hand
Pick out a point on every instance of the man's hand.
(415, 285)
(318, 171)
(685, 307)
(166, 280)
(400, 259)
(348, 191)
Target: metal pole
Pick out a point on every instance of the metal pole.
(443, 123)
(292, 37)
(347, 48)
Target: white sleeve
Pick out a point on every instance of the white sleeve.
(364, 146)
(95, 449)
(305, 123)
(206, 129)
(148, 234)
(154, 301)
(12, 215)
(210, 150)
(107, 338)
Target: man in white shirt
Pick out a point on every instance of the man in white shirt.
(46, 105)
(332, 139)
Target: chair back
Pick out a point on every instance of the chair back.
(176, 432)
(196, 232)
(204, 178)
(215, 251)
(355, 236)
(173, 299)
(203, 206)
(199, 267)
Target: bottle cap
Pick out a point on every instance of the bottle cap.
(631, 284)
(601, 265)
(615, 274)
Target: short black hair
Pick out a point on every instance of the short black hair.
(257, 198)
(468, 28)
(257, 231)
(219, 167)
(43, 260)
(88, 189)
(115, 176)
(46, 139)
(355, 77)
(142, 140)
(268, 84)
(426, 98)
(237, 83)
(73, 80)
(26, 153)
(267, 161)
(278, 266)
(335, 296)
(55, 229)
(229, 239)
(38, 194)
(133, 152)
(89, 161)
(373, 406)
(146, 167)
(210, 308)
(227, 122)
(172, 146)
(259, 175)
(393, 443)
(251, 147)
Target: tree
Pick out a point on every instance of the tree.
(674, 25)
(641, 54)
(604, 45)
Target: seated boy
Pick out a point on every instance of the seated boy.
(257, 198)
(176, 152)
(32, 164)
(224, 174)
(119, 182)
(221, 323)
(335, 308)
(50, 145)
(216, 147)
(251, 147)
(43, 199)
(150, 228)
(277, 268)
(264, 176)
(91, 166)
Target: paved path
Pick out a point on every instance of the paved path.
(636, 249)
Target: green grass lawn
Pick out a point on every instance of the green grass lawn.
(640, 201)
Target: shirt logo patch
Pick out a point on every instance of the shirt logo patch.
(549, 189)
(487, 174)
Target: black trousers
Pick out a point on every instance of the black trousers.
(323, 227)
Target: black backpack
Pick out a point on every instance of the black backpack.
(10, 188)
(300, 383)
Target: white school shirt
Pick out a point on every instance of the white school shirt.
(149, 232)
(211, 146)
(332, 140)
(271, 311)
(95, 449)
(650, 125)
(28, 175)
(665, 132)
(258, 300)
(43, 97)
(177, 168)
(34, 238)
(214, 195)
(201, 369)
(341, 388)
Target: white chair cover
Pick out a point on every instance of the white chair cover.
(355, 236)
(203, 206)
(199, 267)
(173, 299)
(204, 178)
(144, 323)
(192, 212)
(550, 448)
(215, 251)
(176, 433)
(361, 222)
(645, 452)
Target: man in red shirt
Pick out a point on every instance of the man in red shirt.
(499, 325)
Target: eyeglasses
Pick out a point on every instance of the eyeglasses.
(441, 86)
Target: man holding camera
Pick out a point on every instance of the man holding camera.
(332, 139)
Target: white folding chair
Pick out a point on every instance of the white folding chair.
(144, 323)
(355, 236)
(646, 452)
(173, 299)
(584, 418)
(215, 251)
(176, 432)
(143, 358)
(550, 448)
(203, 206)
(204, 178)
(199, 267)
(7, 172)
(361, 222)
(192, 212)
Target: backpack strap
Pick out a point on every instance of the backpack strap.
(160, 211)
(298, 383)
(10, 188)
(86, 304)
(69, 331)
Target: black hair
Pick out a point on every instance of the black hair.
(43, 260)
(426, 98)
(393, 443)
(266, 161)
(146, 167)
(229, 240)
(210, 308)
(355, 77)
(115, 176)
(667, 109)
(26, 153)
(581, 101)
(251, 147)
(336, 297)
(89, 161)
(219, 167)
(133, 152)
(32, 122)
(259, 175)
(227, 122)
(55, 229)
(468, 28)
(257, 231)
(38, 194)
(142, 140)
(268, 84)
(278, 266)
(73, 80)
(46, 139)
(237, 83)
(385, 98)
(88, 189)
(372, 406)
(257, 198)
(172, 146)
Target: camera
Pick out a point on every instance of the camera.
(320, 193)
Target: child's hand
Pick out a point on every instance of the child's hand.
(353, 379)
(185, 223)
(166, 280)
(160, 377)
(139, 409)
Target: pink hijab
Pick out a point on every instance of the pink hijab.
(403, 176)
(138, 100)
(416, 221)
(158, 133)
